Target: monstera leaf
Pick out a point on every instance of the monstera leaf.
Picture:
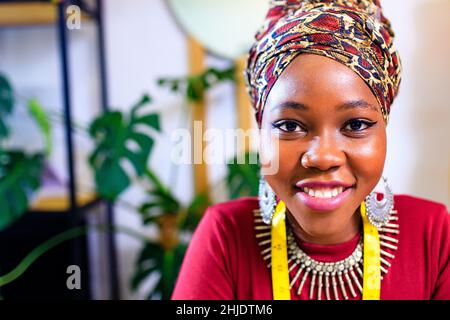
(6, 104)
(115, 136)
(19, 177)
(161, 200)
(243, 179)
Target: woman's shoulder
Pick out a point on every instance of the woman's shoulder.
(231, 221)
(237, 210)
(419, 208)
(421, 215)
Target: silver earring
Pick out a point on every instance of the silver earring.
(267, 201)
(379, 211)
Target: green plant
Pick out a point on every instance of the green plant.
(113, 133)
(165, 255)
(56, 240)
(19, 177)
(6, 104)
(194, 86)
(118, 138)
(42, 119)
(19, 172)
(167, 213)
(164, 210)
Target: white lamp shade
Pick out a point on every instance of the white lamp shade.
(224, 27)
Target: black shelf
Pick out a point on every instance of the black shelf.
(39, 12)
(38, 225)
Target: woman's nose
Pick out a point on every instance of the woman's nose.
(324, 153)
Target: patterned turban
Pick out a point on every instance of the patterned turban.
(352, 32)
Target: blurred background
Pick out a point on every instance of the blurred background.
(95, 99)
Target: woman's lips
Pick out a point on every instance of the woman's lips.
(322, 203)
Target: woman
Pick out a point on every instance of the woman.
(322, 76)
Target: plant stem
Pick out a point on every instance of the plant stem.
(58, 239)
(159, 185)
(167, 273)
(58, 114)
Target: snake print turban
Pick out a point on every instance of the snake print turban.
(352, 32)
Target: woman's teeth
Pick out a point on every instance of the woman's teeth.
(324, 193)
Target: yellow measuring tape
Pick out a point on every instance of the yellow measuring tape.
(372, 275)
(280, 273)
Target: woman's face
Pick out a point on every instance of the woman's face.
(332, 146)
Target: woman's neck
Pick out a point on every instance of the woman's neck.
(341, 236)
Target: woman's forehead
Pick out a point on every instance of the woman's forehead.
(316, 80)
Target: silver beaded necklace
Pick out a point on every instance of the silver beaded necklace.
(328, 277)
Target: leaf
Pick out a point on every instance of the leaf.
(174, 86)
(153, 258)
(168, 274)
(111, 179)
(193, 87)
(195, 211)
(162, 201)
(158, 206)
(6, 104)
(243, 179)
(150, 259)
(193, 92)
(155, 180)
(112, 132)
(19, 177)
(151, 120)
(161, 194)
(42, 119)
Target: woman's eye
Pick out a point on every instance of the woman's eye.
(288, 126)
(358, 125)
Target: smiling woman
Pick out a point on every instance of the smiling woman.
(334, 144)
(322, 76)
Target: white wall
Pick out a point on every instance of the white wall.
(143, 43)
(419, 132)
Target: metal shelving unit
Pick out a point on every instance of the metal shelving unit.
(33, 13)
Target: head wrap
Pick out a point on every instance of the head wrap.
(352, 32)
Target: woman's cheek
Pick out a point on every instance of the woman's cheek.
(367, 160)
(288, 171)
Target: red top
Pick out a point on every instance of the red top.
(224, 260)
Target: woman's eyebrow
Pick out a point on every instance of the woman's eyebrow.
(291, 105)
(357, 104)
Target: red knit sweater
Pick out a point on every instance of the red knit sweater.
(224, 259)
